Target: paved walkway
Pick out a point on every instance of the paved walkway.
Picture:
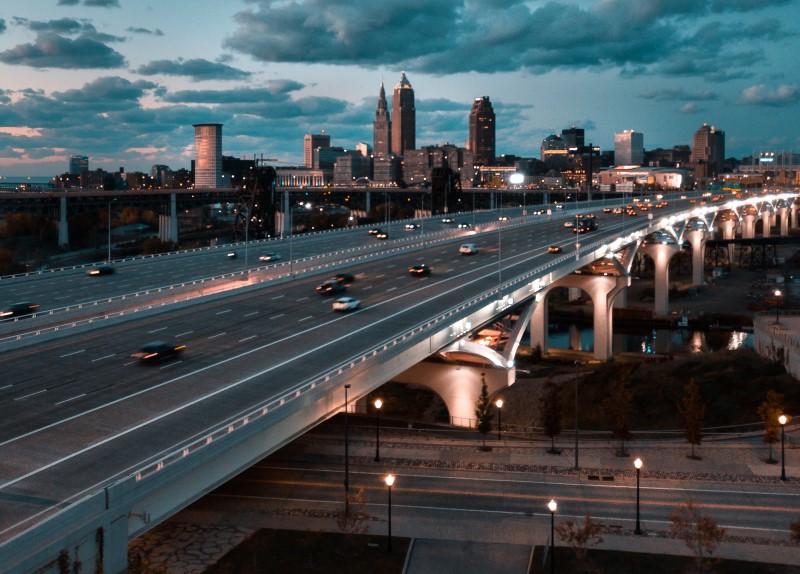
(199, 536)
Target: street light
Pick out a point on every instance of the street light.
(638, 464)
(499, 404)
(378, 404)
(783, 419)
(576, 414)
(777, 305)
(389, 482)
(552, 506)
(346, 448)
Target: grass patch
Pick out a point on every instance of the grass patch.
(300, 552)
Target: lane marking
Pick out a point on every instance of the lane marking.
(71, 399)
(73, 353)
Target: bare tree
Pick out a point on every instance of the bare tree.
(483, 411)
(352, 520)
(699, 532)
(693, 411)
(550, 413)
(769, 411)
(616, 408)
(580, 538)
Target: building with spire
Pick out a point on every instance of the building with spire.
(404, 118)
(708, 152)
(382, 128)
(481, 140)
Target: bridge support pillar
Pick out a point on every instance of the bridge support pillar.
(368, 202)
(729, 232)
(748, 226)
(793, 216)
(661, 253)
(784, 229)
(63, 226)
(458, 385)
(698, 241)
(766, 220)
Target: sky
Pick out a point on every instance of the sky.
(122, 81)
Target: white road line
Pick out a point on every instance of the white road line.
(301, 299)
(247, 338)
(391, 289)
(73, 353)
(253, 313)
(223, 312)
(278, 297)
(304, 319)
(156, 330)
(215, 336)
(101, 358)
(30, 395)
(179, 335)
(6, 387)
(71, 399)
(277, 316)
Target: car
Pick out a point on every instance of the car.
(269, 257)
(554, 249)
(617, 211)
(411, 226)
(346, 304)
(468, 249)
(100, 270)
(502, 218)
(232, 255)
(448, 220)
(464, 225)
(606, 210)
(345, 278)
(331, 288)
(420, 270)
(382, 235)
(18, 310)
(375, 231)
(158, 351)
(569, 224)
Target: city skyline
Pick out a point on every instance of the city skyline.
(123, 82)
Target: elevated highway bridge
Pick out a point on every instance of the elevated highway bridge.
(96, 449)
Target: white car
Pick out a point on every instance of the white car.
(468, 249)
(269, 257)
(346, 304)
(412, 226)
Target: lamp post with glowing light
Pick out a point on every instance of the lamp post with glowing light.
(576, 413)
(389, 482)
(378, 404)
(638, 464)
(783, 419)
(777, 305)
(499, 404)
(346, 446)
(552, 506)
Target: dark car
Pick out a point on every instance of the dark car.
(382, 235)
(18, 310)
(420, 270)
(465, 226)
(331, 287)
(100, 270)
(158, 351)
(375, 231)
(345, 278)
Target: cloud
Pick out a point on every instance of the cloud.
(55, 51)
(68, 2)
(102, 3)
(744, 5)
(689, 108)
(677, 94)
(133, 30)
(760, 95)
(2, 25)
(197, 69)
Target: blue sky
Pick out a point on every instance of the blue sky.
(122, 81)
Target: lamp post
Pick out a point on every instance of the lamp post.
(638, 464)
(109, 231)
(346, 447)
(499, 404)
(552, 506)
(389, 482)
(783, 419)
(777, 305)
(576, 414)
(378, 404)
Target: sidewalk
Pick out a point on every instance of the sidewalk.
(501, 543)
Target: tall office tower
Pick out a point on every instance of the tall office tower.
(312, 142)
(208, 156)
(481, 131)
(78, 163)
(629, 148)
(708, 151)
(404, 125)
(382, 128)
(574, 137)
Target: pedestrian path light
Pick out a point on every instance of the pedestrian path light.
(378, 404)
(783, 419)
(499, 404)
(389, 482)
(638, 464)
(552, 506)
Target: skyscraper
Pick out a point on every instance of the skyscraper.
(629, 148)
(482, 131)
(208, 155)
(573, 137)
(404, 124)
(310, 143)
(708, 151)
(78, 164)
(382, 128)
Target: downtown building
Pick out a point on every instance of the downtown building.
(629, 148)
(312, 143)
(208, 156)
(481, 142)
(708, 152)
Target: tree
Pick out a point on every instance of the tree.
(699, 532)
(352, 520)
(580, 538)
(615, 407)
(794, 531)
(550, 413)
(769, 411)
(693, 411)
(483, 412)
